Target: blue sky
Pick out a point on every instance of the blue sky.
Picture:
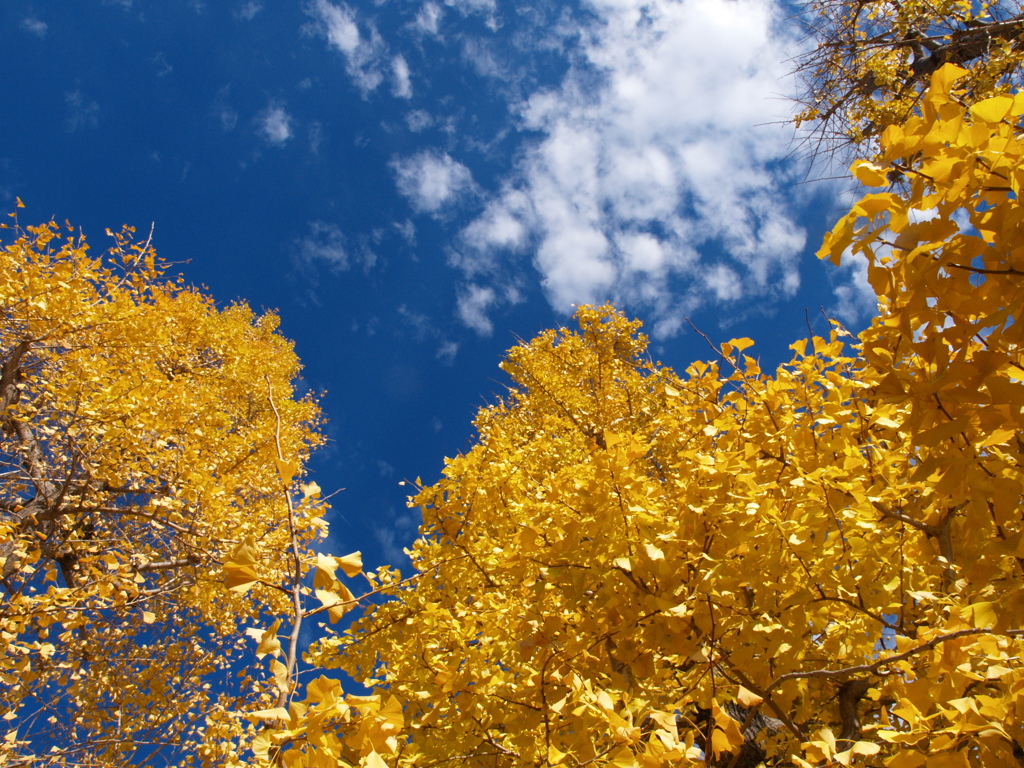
(414, 184)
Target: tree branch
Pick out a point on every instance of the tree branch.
(168, 565)
(871, 669)
(296, 586)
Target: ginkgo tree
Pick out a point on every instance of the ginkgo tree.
(871, 60)
(154, 533)
(817, 565)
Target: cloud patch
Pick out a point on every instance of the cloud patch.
(401, 84)
(473, 306)
(425, 330)
(428, 18)
(82, 112)
(324, 243)
(35, 26)
(247, 11)
(657, 178)
(418, 120)
(855, 299)
(274, 125)
(431, 180)
(364, 50)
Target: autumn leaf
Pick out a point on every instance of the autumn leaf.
(352, 564)
(287, 470)
(747, 698)
(240, 569)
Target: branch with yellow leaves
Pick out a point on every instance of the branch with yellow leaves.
(874, 667)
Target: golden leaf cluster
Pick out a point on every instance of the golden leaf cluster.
(142, 433)
(873, 59)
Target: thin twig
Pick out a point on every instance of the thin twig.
(296, 586)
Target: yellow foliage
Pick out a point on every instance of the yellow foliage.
(140, 478)
(624, 543)
(151, 507)
(833, 549)
(874, 58)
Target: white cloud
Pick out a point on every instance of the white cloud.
(407, 230)
(365, 54)
(486, 8)
(401, 85)
(480, 55)
(657, 176)
(856, 300)
(431, 180)
(393, 537)
(428, 18)
(424, 329)
(324, 243)
(275, 125)
(723, 282)
(473, 304)
(418, 120)
(504, 225)
(418, 321)
(164, 67)
(316, 136)
(468, 7)
(447, 351)
(35, 26)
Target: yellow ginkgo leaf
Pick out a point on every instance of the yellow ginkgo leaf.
(748, 698)
(352, 564)
(287, 470)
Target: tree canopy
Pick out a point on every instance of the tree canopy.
(148, 439)
(816, 565)
(872, 60)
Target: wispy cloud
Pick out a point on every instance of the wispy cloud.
(486, 8)
(407, 230)
(35, 26)
(401, 85)
(473, 306)
(856, 300)
(82, 112)
(316, 136)
(163, 67)
(418, 120)
(364, 51)
(428, 18)
(425, 330)
(656, 177)
(247, 11)
(324, 243)
(274, 124)
(401, 528)
(223, 111)
(431, 180)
